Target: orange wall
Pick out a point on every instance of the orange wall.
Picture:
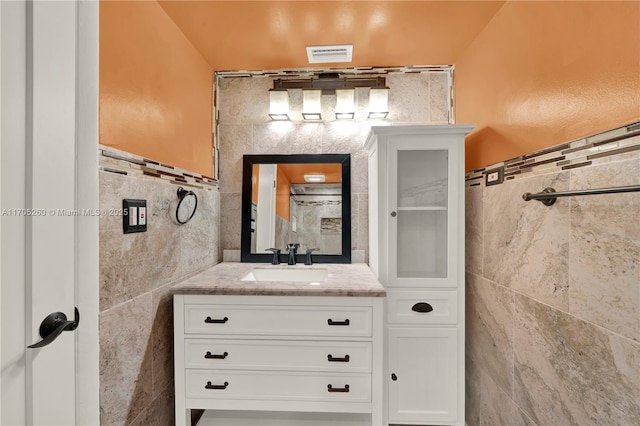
(155, 88)
(543, 73)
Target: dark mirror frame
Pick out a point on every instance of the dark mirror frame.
(247, 168)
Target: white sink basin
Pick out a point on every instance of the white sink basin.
(301, 275)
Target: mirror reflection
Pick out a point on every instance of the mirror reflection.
(297, 203)
(300, 201)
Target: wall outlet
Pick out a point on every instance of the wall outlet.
(134, 218)
(494, 176)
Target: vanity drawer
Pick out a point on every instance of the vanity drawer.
(400, 307)
(278, 355)
(278, 320)
(278, 385)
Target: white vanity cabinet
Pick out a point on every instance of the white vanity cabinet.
(278, 353)
(416, 234)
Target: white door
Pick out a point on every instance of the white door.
(423, 194)
(49, 257)
(423, 375)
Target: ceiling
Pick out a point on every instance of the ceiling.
(295, 172)
(253, 35)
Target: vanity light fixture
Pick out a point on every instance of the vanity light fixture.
(378, 102)
(279, 105)
(345, 103)
(314, 178)
(311, 104)
(328, 83)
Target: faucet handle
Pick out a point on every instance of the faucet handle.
(307, 260)
(293, 246)
(276, 255)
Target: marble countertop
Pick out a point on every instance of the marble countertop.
(226, 278)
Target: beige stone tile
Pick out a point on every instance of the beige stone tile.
(287, 137)
(489, 328)
(439, 103)
(472, 392)
(125, 361)
(199, 241)
(408, 98)
(497, 407)
(571, 372)
(132, 264)
(244, 100)
(526, 244)
(112, 275)
(230, 220)
(359, 173)
(112, 187)
(161, 411)
(161, 340)
(355, 221)
(363, 224)
(473, 229)
(347, 137)
(234, 142)
(604, 266)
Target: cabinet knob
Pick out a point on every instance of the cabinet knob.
(394, 214)
(422, 307)
(394, 377)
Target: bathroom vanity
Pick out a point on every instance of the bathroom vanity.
(290, 339)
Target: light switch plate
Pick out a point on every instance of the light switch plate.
(135, 215)
(494, 176)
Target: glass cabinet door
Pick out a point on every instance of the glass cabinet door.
(422, 198)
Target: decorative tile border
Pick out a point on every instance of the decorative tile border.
(345, 71)
(612, 145)
(120, 162)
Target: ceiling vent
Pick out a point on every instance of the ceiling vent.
(330, 54)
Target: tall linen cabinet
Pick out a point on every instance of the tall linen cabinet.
(416, 249)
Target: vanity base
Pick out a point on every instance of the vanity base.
(299, 360)
(280, 418)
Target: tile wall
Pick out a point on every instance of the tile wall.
(244, 127)
(553, 293)
(136, 271)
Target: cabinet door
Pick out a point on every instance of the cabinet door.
(422, 375)
(423, 202)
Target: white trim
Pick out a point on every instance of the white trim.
(13, 333)
(87, 235)
(0, 199)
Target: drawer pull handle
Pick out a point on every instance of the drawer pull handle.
(208, 355)
(210, 386)
(332, 322)
(208, 320)
(422, 307)
(332, 389)
(394, 377)
(336, 359)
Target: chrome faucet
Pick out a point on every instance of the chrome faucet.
(292, 249)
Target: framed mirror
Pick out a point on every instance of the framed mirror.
(296, 198)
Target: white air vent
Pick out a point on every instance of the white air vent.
(330, 54)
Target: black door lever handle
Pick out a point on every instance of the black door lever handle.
(53, 325)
